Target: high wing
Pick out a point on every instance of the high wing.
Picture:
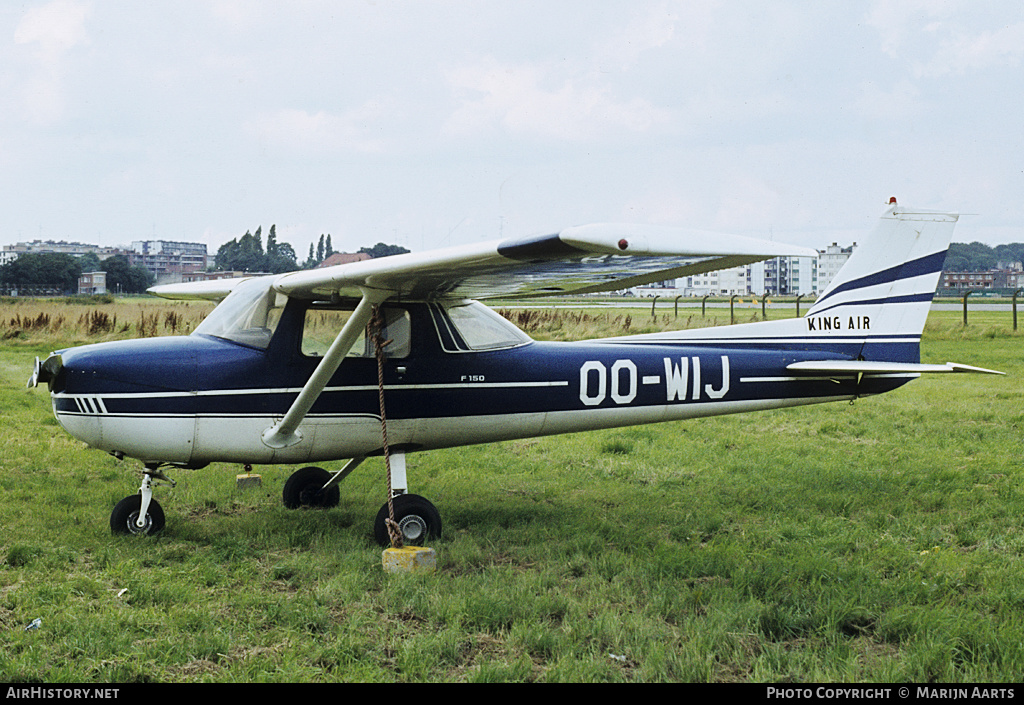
(583, 259)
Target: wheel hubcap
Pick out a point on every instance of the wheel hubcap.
(133, 525)
(413, 527)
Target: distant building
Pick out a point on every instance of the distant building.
(213, 276)
(167, 260)
(784, 276)
(76, 249)
(725, 282)
(781, 276)
(92, 283)
(962, 281)
(830, 261)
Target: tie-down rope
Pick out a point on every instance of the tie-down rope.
(376, 333)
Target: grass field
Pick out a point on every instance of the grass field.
(876, 542)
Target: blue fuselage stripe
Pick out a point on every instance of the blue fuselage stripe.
(925, 265)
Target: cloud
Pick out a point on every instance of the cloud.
(528, 99)
(52, 31)
(54, 28)
(652, 29)
(302, 133)
(946, 38)
(578, 93)
(972, 52)
(884, 104)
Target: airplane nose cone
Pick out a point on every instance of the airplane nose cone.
(131, 397)
(47, 371)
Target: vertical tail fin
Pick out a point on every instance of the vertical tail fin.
(875, 308)
(885, 289)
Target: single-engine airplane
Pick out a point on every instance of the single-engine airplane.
(283, 370)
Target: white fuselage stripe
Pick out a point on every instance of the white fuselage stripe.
(296, 390)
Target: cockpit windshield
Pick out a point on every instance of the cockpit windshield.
(248, 315)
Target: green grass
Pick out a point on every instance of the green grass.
(877, 542)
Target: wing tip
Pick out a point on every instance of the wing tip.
(209, 290)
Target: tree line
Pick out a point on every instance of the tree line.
(979, 257)
(44, 272)
(59, 272)
(248, 254)
(53, 272)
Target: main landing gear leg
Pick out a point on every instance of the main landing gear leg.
(315, 487)
(139, 513)
(417, 518)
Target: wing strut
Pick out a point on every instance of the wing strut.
(285, 432)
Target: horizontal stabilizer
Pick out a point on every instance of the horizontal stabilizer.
(873, 367)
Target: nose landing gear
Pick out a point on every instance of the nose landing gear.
(140, 514)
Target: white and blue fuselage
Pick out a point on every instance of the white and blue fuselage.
(198, 399)
(253, 384)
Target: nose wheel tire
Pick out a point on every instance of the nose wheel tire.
(303, 489)
(416, 517)
(124, 518)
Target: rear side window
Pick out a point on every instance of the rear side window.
(472, 326)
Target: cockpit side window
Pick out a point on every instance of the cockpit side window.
(322, 325)
(249, 315)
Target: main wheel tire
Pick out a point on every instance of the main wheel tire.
(126, 513)
(417, 518)
(303, 489)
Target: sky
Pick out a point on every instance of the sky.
(428, 123)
